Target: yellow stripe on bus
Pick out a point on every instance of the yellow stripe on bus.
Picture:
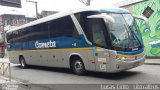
(130, 56)
(46, 50)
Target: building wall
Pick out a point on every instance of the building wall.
(7, 22)
(129, 8)
(13, 20)
(151, 37)
(46, 13)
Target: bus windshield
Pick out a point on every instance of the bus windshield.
(126, 36)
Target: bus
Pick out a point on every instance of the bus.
(87, 39)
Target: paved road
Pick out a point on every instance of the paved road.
(46, 75)
(58, 79)
(44, 78)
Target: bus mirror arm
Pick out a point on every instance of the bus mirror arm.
(144, 19)
(111, 22)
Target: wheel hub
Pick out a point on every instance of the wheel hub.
(78, 66)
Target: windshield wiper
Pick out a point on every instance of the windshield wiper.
(128, 44)
(136, 36)
(132, 32)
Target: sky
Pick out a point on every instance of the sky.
(29, 10)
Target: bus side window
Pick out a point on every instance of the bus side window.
(96, 28)
(63, 27)
(39, 31)
(75, 33)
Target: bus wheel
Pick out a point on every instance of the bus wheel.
(78, 66)
(23, 62)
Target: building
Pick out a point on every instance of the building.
(29, 19)
(46, 13)
(7, 22)
(12, 20)
(151, 10)
(11, 3)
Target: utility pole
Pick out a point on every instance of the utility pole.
(36, 10)
(87, 3)
(35, 7)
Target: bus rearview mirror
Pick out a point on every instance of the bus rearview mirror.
(144, 19)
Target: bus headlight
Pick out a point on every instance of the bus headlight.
(121, 58)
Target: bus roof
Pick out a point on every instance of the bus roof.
(114, 10)
(61, 14)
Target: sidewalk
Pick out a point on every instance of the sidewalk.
(6, 84)
(12, 85)
(152, 61)
(4, 60)
(3, 80)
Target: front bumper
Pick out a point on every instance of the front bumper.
(121, 65)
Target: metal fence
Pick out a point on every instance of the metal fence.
(5, 69)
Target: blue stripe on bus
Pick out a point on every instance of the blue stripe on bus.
(131, 53)
(61, 42)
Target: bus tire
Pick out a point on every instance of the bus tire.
(23, 62)
(78, 66)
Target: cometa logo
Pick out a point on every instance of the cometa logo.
(50, 44)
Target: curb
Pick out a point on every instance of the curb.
(152, 63)
(13, 80)
(13, 84)
(6, 80)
